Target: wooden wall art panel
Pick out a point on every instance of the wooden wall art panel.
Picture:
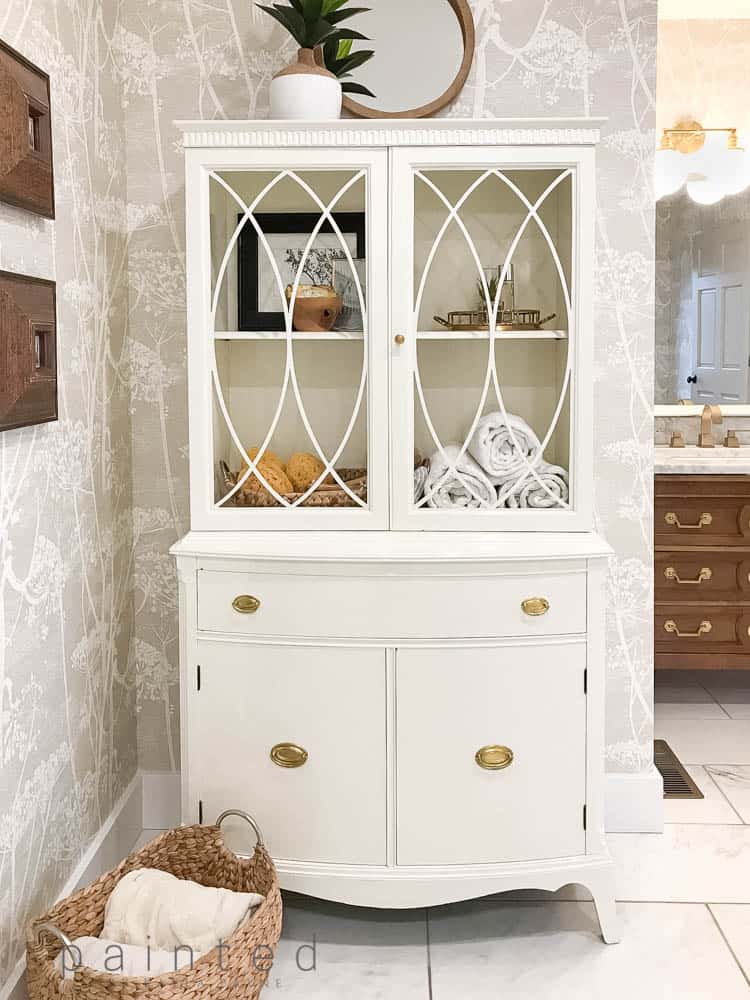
(28, 351)
(26, 173)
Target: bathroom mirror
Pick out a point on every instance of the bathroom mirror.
(423, 54)
(703, 301)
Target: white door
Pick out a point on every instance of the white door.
(294, 735)
(721, 318)
(461, 712)
(491, 318)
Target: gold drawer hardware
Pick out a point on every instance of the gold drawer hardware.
(494, 758)
(704, 574)
(288, 755)
(703, 629)
(400, 339)
(245, 604)
(535, 606)
(703, 521)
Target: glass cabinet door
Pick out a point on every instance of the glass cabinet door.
(490, 431)
(292, 264)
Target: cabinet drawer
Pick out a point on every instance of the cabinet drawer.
(402, 607)
(690, 576)
(701, 628)
(702, 510)
(528, 699)
(326, 703)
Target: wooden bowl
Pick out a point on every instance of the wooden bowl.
(316, 308)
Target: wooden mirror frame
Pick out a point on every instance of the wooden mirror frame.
(466, 21)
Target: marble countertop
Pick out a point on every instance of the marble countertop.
(691, 460)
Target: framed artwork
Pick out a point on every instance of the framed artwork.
(28, 351)
(26, 174)
(287, 234)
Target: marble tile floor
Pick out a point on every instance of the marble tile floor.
(684, 901)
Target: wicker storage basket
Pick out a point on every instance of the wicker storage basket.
(194, 852)
(326, 495)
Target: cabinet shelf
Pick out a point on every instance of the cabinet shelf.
(281, 335)
(484, 335)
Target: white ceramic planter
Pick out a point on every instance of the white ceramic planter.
(305, 91)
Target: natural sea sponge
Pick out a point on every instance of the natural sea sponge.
(268, 456)
(303, 470)
(275, 476)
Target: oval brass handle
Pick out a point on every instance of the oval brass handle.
(535, 606)
(703, 629)
(704, 573)
(288, 755)
(494, 758)
(703, 521)
(245, 604)
(400, 339)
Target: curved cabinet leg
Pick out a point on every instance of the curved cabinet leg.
(602, 888)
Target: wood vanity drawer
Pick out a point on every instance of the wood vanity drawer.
(702, 510)
(702, 628)
(324, 710)
(702, 575)
(523, 710)
(400, 607)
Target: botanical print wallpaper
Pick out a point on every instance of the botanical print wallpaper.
(182, 59)
(67, 678)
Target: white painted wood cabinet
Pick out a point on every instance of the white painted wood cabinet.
(395, 660)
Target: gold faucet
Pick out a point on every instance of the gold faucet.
(710, 415)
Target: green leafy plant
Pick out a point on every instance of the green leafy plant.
(315, 22)
(340, 60)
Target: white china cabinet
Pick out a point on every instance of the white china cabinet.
(391, 597)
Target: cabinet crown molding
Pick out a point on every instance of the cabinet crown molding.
(422, 132)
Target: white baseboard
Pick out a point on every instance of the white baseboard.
(161, 800)
(108, 847)
(634, 803)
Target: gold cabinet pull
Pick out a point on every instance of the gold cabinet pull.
(400, 339)
(535, 606)
(494, 758)
(703, 629)
(288, 755)
(245, 604)
(703, 521)
(704, 574)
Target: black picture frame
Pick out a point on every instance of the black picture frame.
(274, 223)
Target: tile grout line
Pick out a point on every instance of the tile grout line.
(429, 957)
(722, 792)
(712, 695)
(726, 942)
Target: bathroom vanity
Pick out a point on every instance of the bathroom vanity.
(702, 558)
(408, 695)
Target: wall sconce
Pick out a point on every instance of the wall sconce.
(708, 161)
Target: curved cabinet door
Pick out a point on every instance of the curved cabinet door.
(491, 750)
(294, 735)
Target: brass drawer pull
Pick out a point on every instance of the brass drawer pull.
(494, 758)
(704, 574)
(703, 521)
(288, 755)
(535, 606)
(245, 604)
(703, 629)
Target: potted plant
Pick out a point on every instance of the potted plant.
(306, 89)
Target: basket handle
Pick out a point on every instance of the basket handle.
(64, 940)
(247, 818)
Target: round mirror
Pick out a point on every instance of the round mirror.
(423, 54)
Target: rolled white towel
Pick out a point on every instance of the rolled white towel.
(502, 456)
(151, 907)
(445, 490)
(120, 959)
(532, 494)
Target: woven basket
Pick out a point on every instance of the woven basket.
(193, 852)
(327, 495)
